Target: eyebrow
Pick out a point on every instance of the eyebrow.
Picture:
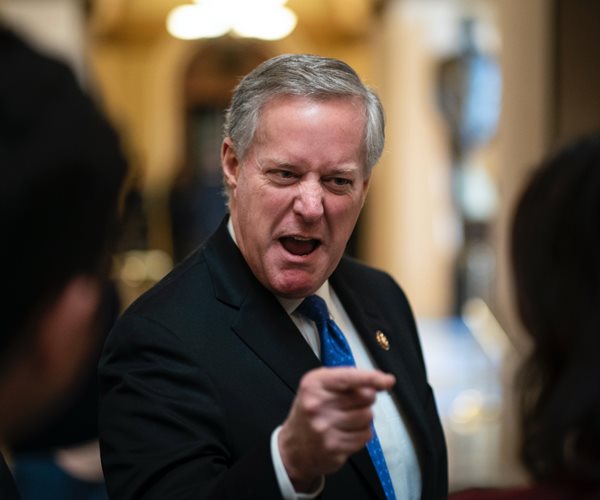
(345, 170)
(280, 163)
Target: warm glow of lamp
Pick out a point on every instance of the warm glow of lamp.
(264, 19)
(205, 20)
(266, 23)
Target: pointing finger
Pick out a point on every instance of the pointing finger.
(348, 378)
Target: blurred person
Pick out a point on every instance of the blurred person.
(63, 455)
(61, 170)
(556, 265)
(268, 365)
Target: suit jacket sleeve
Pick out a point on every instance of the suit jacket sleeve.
(160, 410)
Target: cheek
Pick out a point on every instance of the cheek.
(343, 212)
(273, 205)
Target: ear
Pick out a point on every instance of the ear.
(65, 338)
(366, 183)
(230, 163)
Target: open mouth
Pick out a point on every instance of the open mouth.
(297, 245)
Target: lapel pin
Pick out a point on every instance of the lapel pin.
(382, 340)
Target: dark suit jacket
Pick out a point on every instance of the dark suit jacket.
(199, 371)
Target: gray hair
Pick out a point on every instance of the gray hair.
(304, 76)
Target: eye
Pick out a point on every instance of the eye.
(339, 185)
(282, 176)
(340, 181)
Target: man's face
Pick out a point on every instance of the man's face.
(297, 194)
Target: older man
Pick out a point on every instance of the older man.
(268, 365)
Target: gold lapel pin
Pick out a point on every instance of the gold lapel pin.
(382, 340)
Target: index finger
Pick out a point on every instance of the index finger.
(349, 378)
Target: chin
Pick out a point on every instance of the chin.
(295, 290)
(295, 283)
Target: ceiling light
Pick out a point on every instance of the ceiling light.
(266, 23)
(264, 19)
(205, 20)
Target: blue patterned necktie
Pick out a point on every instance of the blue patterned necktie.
(335, 351)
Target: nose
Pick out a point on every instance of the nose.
(308, 202)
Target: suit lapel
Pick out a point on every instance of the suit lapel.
(261, 322)
(368, 320)
(268, 330)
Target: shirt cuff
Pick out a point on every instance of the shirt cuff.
(283, 480)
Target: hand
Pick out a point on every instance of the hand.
(330, 419)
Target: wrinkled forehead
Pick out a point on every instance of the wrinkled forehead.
(302, 100)
(291, 101)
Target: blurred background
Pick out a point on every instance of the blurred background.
(476, 92)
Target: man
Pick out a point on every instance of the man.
(212, 385)
(61, 171)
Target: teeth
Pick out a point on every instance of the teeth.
(300, 238)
